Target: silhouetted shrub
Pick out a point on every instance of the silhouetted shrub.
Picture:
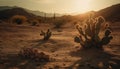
(34, 54)
(34, 22)
(58, 23)
(46, 35)
(89, 34)
(19, 19)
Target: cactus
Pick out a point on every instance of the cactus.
(89, 35)
(46, 35)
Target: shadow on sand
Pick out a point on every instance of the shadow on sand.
(13, 61)
(40, 42)
(95, 59)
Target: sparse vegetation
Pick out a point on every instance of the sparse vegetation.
(52, 46)
(18, 19)
(31, 53)
(59, 23)
(34, 23)
(46, 35)
(89, 35)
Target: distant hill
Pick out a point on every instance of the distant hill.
(38, 13)
(7, 13)
(5, 7)
(8, 10)
(111, 13)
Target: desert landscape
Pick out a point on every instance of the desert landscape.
(28, 41)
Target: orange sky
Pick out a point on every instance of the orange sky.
(61, 6)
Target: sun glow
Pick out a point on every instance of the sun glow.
(82, 5)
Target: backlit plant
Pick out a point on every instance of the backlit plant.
(89, 34)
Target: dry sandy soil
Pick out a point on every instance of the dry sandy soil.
(63, 51)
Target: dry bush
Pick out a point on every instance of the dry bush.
(33, 22)
(58, 23)
(89, 34)
(18, 19)
(34, 54)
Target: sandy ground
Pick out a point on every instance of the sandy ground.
(63, 51)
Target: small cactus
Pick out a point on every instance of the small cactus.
(46, 35)
(89, 35)
(106, 39)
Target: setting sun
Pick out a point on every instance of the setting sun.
(82, 5)
(61, 6)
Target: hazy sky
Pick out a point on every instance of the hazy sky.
(60, 6)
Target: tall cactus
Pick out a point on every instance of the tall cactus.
(89, 36)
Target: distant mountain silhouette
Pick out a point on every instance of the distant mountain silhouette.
(7, 13)
(111, 13)
(38, 13)
(5, 7)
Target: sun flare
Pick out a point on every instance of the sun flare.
(82, 5)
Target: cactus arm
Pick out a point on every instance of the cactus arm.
(46, 35)
(88, 29)
(81, 32)
(77, 39)
(42, 32)
(99, 21)
(106, 40)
